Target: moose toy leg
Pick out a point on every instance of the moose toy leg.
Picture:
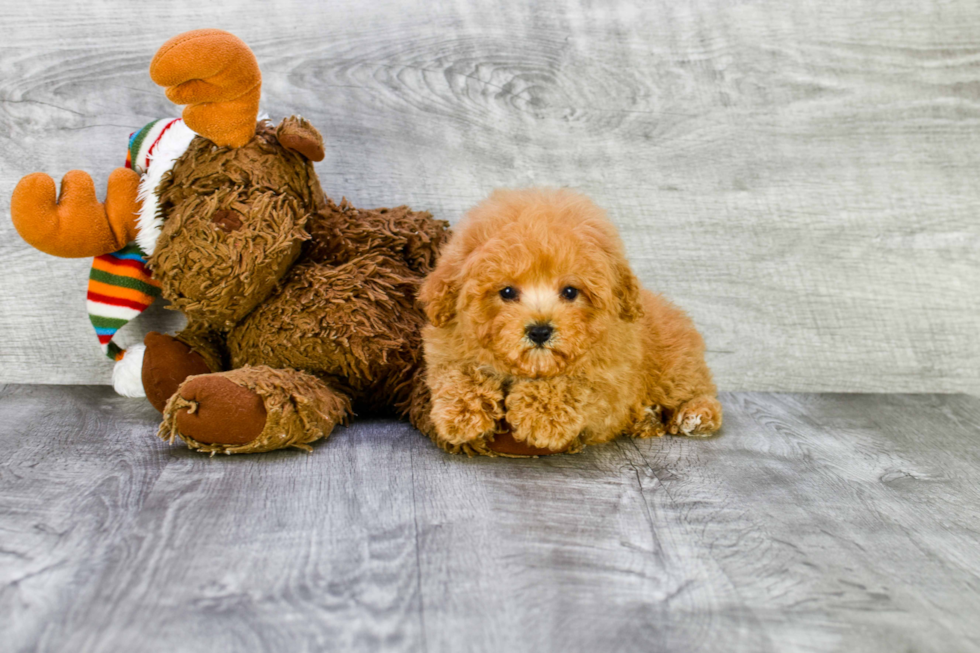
(253, 409)
(166, 363)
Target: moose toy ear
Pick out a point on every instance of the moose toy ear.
(216, 75)
(298, 135)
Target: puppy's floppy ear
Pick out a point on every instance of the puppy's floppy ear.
(440, 290)
(627, 293)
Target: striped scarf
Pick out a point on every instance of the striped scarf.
(143, 143)
(119, 288)
(120, 285)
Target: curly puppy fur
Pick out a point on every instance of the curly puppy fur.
(608, 357)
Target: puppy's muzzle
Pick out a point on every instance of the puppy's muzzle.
(539, 333)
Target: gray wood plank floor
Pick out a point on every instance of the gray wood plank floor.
(814, 523)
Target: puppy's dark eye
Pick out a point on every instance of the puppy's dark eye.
(569, 293)
(508, 294)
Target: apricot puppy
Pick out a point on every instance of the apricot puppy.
(542, 340)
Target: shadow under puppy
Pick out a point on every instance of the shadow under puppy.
(542, 340)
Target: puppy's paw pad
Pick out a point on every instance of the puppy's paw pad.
(689, 423)
(697, 418)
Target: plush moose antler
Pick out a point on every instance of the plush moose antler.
(76, 224)
(217, 76)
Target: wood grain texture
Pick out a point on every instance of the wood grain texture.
(800, 176)
(813, 523)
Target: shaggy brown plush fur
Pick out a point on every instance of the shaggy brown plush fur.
(617, 360)
(315, 300)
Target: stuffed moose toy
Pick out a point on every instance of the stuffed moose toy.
(299, 310)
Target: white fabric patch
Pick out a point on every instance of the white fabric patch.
(127, 375)
(169, 148)
(108, 310)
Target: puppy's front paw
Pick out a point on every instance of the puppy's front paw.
(465, 409)
(697, 418)
(544, 415)
(459, 424)
(649, 423)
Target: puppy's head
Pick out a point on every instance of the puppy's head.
(534, 278)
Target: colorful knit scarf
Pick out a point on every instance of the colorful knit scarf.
(119, 288)
(120, 285)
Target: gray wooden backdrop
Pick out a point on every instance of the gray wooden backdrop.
(801, 176)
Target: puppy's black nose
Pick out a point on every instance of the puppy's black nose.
(540, 333)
